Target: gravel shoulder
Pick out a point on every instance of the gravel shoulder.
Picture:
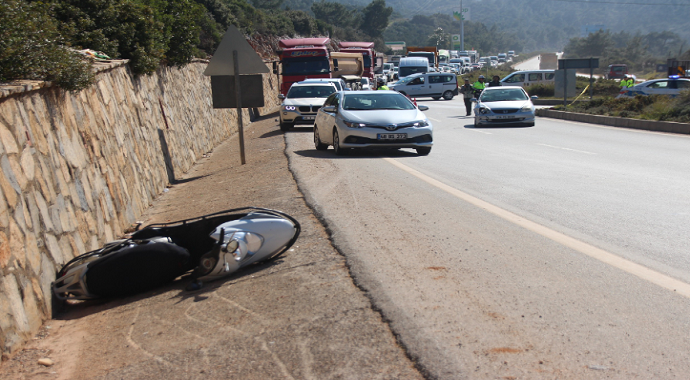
(297, 317)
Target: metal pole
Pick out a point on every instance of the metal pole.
(238, 98)
(565, 86)
(462, 28)
(591, 77)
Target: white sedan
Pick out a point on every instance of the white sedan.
(504, 105)
(372, 119)
(667, 86)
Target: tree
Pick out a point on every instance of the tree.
(375, 18)
(335, 14)
(31, 48)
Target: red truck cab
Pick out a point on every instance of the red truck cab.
(303, 58)
(367, 50)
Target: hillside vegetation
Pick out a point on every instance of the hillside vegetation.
(39, 39)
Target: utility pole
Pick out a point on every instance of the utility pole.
(462, 28)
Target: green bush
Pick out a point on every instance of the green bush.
(541, 90)
(31, 48)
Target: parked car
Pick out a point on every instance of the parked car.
(372, 119)
(365, 84)
(527, 78)
(302, 102)
(617, 71)
(339, 83)
(434, 85)
(504, 105)
(668, 86)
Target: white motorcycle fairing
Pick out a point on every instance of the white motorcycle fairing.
(253, 238)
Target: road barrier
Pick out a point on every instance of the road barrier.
(615, 121)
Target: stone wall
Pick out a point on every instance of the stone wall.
(79, 168)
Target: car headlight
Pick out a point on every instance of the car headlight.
(526, 109)
(484, 110)
(289, 108)
(421, 123)
(351, 124)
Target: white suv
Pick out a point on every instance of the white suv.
(302, 102)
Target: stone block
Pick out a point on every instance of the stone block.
(9, 143)
(33, 254)
(4, 211)
(54, 249)
(5, 251)
(44, 211)
(34, 213)
(27, 163)
(16, 305)
(17, 243)
(34, 316)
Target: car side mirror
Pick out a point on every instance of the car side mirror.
(329, 109)
(422, 108)
(473, 100)
(534, 97)
(281, 96)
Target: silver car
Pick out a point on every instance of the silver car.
(302, 102)
(372, 119)
(504, 105)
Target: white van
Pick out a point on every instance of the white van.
(412, 65)
(529, 77)
(433, 85)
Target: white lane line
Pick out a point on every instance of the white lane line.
(431, 118)
(635, 269)
(562, 148)
(479, 131)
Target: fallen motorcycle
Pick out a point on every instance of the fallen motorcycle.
(211, 246)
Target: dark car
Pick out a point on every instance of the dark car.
(617, 71)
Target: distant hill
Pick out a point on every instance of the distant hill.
(543, 24)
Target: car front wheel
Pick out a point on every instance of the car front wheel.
(285, 126)
(317, 140)
(423, 151)
(336, 144)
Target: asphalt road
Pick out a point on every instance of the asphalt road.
(557, 251)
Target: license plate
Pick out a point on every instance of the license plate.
(503, 117)
(392, 136)
(309, 117)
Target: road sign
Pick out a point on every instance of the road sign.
(222, 64)
(235, 56)
(578, 63)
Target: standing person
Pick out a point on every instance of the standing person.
(626, 82)
(495, 81)
(479, 86)
(381, 85)
(467, 91)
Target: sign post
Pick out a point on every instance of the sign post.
(234, 57)
(578, 63)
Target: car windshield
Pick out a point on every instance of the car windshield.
(310, 92)
(503, 95)
(378, 101)
(306, 66)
